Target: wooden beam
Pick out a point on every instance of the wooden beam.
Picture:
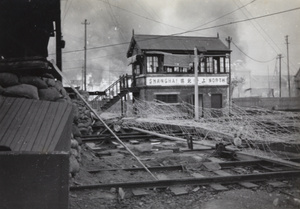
(269, 159)
(173, 138)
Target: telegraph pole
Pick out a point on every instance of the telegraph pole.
(85, 23)
(288, 66)
(229, 39)
(196, 64)
(279, 57)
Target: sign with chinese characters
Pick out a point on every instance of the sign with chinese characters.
(187, 81)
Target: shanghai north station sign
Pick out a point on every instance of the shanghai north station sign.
(187, 81)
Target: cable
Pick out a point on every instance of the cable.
(189, 31)
(140, 15)
(224, 15)
(251, 57)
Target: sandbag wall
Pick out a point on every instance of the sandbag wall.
(42, 87)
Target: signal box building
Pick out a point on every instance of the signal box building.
(163, 69)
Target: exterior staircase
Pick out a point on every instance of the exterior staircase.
(119, 89)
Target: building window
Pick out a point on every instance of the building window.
(152, 64)
(202, 67)
(209, 65)
(222, 70)
(137, 69)
(175, 69)
(169, 69)
(167, 98)
(216, 70)
(227, 64)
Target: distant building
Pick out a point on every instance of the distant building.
(163, 69)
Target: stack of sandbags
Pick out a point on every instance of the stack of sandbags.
(44, 87)
(75, 157)
(83, 118)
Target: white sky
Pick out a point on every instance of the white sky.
(112, 22)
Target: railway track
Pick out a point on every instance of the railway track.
(210, 170)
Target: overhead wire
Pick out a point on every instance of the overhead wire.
(136, 14)
(252, 57)
(229, 13)
(189, 31)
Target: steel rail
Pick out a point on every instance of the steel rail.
(224, 165)
(156, 168)
(195, 181)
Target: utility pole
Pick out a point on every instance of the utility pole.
(229, 39)
(279, 57)
(196, 64)
(288, 65)
(85, 23)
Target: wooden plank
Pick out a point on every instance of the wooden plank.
(2, 99)
(11, 109)
(36, 124)
(248, 185)
(139, 192)
(59, 114)
(17, 124)
(222, 173)
(197, 175)
(64, 141)
(215, 186)
(61, 127)
(45, 127)
(244, 184)
(26, 126)
(218, 187)
(215, 160)
(178, 190)
(213, 166)
(277, 184)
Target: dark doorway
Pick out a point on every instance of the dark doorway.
(216, 103)
(200, 103)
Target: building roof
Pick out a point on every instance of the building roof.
(34, 125)
(176, 43)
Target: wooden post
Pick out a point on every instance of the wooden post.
(229, 39)
(279, 57)
(196, 63)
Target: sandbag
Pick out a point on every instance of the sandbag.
(74, 165)
(1, 89)
(61, 89)
(49, 94)
(22, 90)
(50, 82)
(8, 79)
(35, 81)
(76, 131)
(48, 75)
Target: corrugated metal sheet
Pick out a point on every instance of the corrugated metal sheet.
(154, 42)
(32, 125)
